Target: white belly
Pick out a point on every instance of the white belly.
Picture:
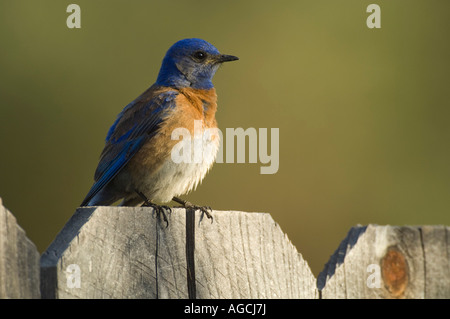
(190, 161)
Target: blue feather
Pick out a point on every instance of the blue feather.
(120, 148)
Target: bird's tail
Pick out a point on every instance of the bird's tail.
(101, 198)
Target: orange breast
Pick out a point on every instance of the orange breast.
(191, 105)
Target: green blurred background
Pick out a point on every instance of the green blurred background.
(363, 114)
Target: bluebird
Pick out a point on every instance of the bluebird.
(136, 163)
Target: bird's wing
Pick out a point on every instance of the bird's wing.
(137, 123)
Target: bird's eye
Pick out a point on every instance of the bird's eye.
(199, 55)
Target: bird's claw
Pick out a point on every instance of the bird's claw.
(205, 210)
(191, 207)
(159, 210)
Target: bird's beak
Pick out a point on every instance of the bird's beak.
(225, 58)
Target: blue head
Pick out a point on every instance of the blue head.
(191, 63)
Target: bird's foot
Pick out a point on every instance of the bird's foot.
(158, 210)
(205, 210)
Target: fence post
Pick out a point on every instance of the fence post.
(19, 260)
(124, 252)
(389, 262)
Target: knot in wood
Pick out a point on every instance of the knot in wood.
(395, 271)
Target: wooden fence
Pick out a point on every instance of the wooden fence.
(117, 252)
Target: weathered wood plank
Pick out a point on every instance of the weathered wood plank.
(389, 262)
(436, 251)
(126, 253)
(19, 260)
(123, 252)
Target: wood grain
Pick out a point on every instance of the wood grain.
(411, 262)
(19, 260)
(124, 252)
